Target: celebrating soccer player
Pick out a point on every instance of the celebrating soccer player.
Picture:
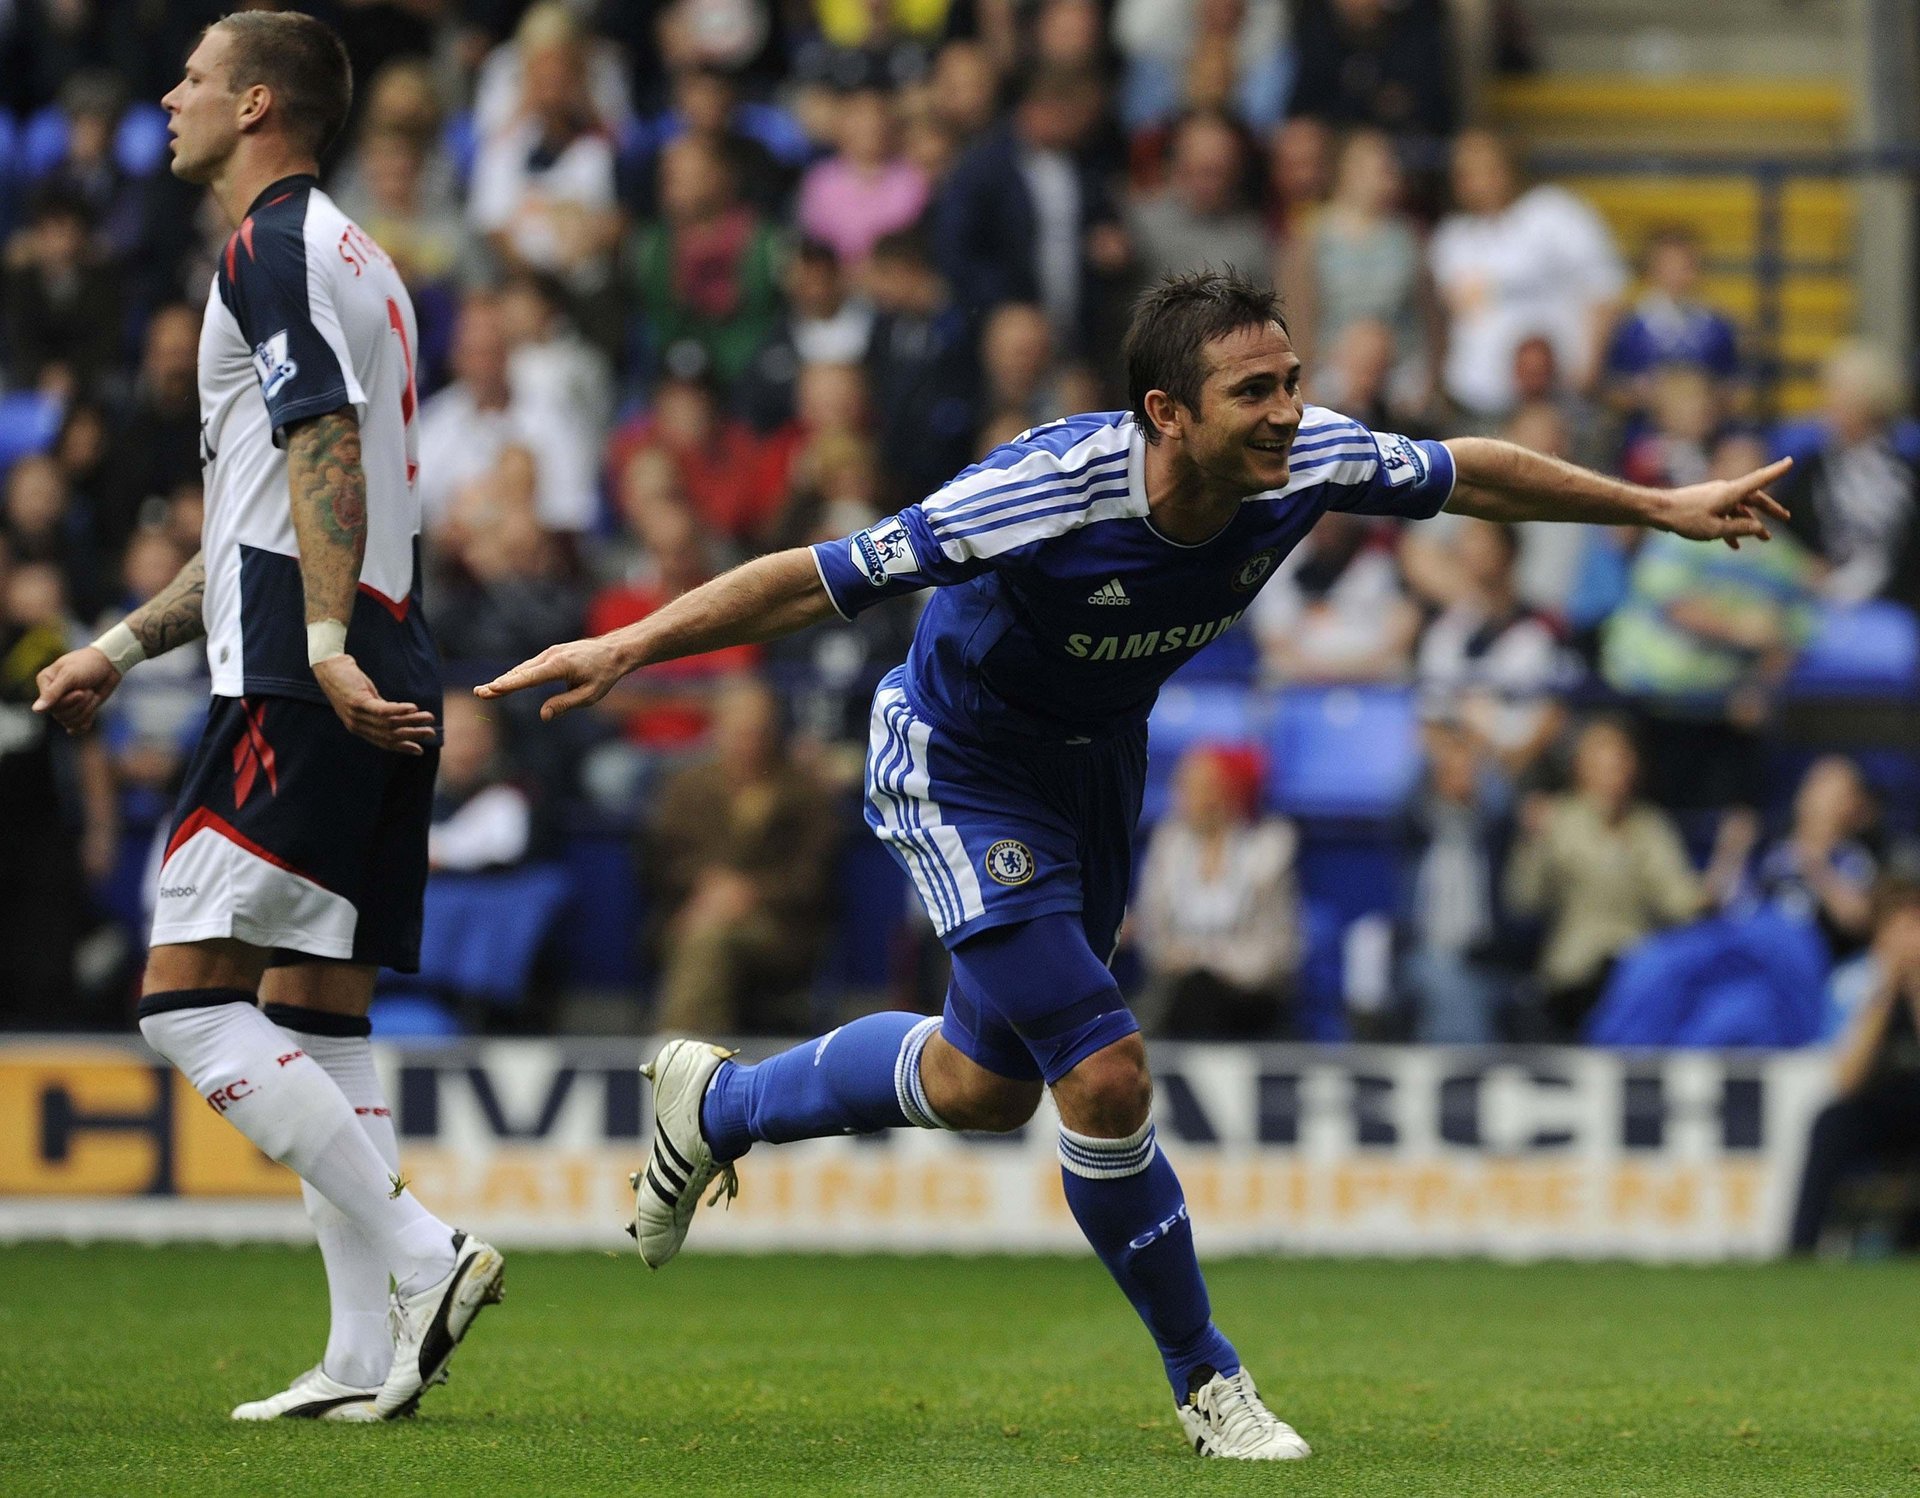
(1078, 566)
(298, 859)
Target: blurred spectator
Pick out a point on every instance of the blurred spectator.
(1853, 498)
(505, 589)
(465, 428)
(921, 371)
(40, 525)
(118, 205)
(823, 322)
(156, 437)
(762, 145)
(1336, 609)
(1217, 916)
(565, 388)
(1552, 557)
(1875, 1117)
(1601, 868)
(402, 105)
(1022, 220)
(1385, 63)
(1539, 382)
(1486, 660)
(1700, 643)
(1822, 869)
(1238, 47)
(1018, 369)
(1359, 260)
(500, 101)
(1458, 827)
(1202, 217)
(866, 188)
(1299, 173)
(1685, 412)
(739, 856)
(861, 40)
(1509, 263)
(426, 239)
(63, 313)
(55, 841)
(482, 819)
(963, 89)
(543, 183)
(1355, 376)
(707, 274)
(666, 707)
(733, 480)
(825, 454)
(1670, 324)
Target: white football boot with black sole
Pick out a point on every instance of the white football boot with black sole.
(427, 1326)
(1224, 1417)
(312, 1396)
(681, 1166)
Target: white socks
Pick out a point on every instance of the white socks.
(268, 1084)
(359, 1344)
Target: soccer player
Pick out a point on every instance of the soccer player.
(298, 859)
(1078, 567)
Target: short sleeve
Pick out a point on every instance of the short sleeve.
(890, 557)
(1411, 478)
(283, 301)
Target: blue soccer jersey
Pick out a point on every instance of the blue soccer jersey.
(1061, 609)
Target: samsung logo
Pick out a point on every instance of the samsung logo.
(1147, 642)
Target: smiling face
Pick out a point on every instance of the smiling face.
(1249, 411)
(206, 113)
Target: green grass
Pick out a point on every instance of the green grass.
(878, 1375)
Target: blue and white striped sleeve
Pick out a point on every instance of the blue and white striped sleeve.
(1370, 473)
(890, 557)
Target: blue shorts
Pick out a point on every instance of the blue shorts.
(994, 835)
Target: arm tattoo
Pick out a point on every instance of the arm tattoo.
(329, 491)
(172, 616)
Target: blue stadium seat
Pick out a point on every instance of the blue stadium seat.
(412, 1016)
(482, 931)
(43, 142)
(29, 421)
(1188, 714)
(1869, 648)
(1343, 752)
(140, 141)
(1321, 993)
(461, 137)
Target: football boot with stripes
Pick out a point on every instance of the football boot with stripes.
(428, 1326)
(681, 1166)
(312, 1396)
(1223, 1416)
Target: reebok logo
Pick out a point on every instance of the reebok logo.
(1110, 592)
(290, 1056)
(179, 891)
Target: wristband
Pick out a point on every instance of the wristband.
(122, 647)
(326, 638)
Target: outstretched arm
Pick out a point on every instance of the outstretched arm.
(761, 600)
(1502, 481)
(75, 687)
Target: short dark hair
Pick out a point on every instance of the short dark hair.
(1173, 322)
(302, 60)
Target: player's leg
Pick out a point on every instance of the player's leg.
(323, 1006)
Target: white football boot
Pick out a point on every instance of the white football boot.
(427, 1326)
(1224, 1417)
(681, 1165)
(312, 1396)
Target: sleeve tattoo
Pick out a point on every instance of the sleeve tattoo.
(329, 494)
(172, 616)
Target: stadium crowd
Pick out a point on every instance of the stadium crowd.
(704, 278)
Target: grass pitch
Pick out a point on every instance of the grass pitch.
(933, 1376)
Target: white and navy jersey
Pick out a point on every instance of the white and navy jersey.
(1061, 608)
(307, 316)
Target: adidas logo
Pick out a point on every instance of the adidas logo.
(1109, 592)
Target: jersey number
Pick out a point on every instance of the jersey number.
(407, 398)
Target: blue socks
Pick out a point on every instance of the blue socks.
(857, 1079)
(1128, 1202)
